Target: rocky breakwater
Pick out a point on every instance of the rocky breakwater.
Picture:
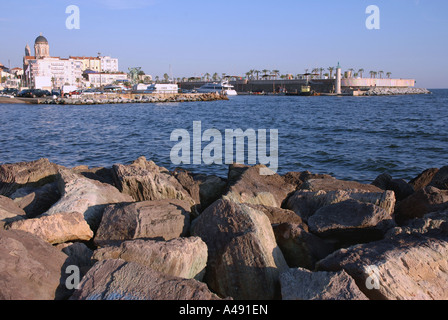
(124, 99)
(395, 91)
(139, 231)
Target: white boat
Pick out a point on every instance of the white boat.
(223, 87)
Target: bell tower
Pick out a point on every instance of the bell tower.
(41, 47)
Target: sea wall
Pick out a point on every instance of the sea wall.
(120, 98)
(139, 231)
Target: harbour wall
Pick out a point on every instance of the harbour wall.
(317, 85)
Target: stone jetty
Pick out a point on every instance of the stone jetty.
(118, 99)
(395, 91)
(140, 231)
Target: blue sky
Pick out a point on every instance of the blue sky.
(200, 36)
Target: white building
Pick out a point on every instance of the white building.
(42, 71)
(103, 79)
(54, 72)
(109, 64)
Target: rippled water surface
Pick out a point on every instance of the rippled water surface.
(353, 138)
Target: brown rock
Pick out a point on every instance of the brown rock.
(246, 185)
(166, 219)
(56, 228)
(22, 174)
(301, 284)
(351, 220)
(144, 180)
(407, 267)
(121, 280)
(30, 268)
(204, 189)
(244, 259)
(423, 179)
(36, 200)
(89, 197)
(182, 257)
(423, 201)
(440, 179)
(305, 203)
(9, 211)
(299, 247)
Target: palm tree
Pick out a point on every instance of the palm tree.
(321, 70)
(351, 72)
(257, 72)
(265, 72)
(331, 69)
(276, 73)
(207, 76)
(215, 76)
(361, 71)
(381, 73)
(388, 74)
(372, 73)
(166, 77)
(157, 79)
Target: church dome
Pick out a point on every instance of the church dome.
(41, 39)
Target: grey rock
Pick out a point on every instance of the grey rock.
(121, 280)
(301, 284)
(165, 219)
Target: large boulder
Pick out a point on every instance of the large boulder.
(17, 175)
(302, 284)
(182, 257)
(89, 197)
(204, 189)
(440, 179)
(57, 228)
(351, 220)
(9, 211)
(78, 255)
(165, 219)
(400, 187)
(305, 202)
(405, 267)
(30, 268)
(423, 179)
(247, 185)
(36, 200)
(120, 280)
(434, 224)
(143, 180)
(244, 259)
(423, 201)
(300, 247)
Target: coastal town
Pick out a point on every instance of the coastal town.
(44, 75)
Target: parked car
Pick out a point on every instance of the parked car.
(10, 91)
(34, 93)
(27, 93)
